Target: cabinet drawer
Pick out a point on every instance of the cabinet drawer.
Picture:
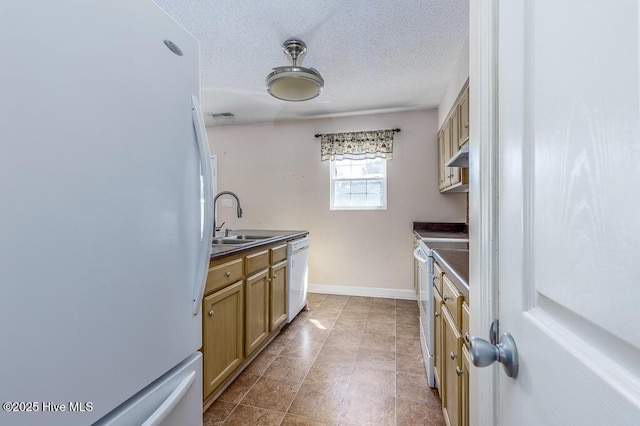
(452, 299)
(465, 322)
(224, 274)
(278, 253)
(257, 261)
(437, 277)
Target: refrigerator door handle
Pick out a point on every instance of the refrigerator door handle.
(172, 400)
(207, 182)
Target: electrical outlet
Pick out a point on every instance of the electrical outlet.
(226, 202)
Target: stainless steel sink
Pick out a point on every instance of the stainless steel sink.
(237, 240)
(230, 240)
(248, 237)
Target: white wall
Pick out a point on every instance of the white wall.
(276, 171)
(457, 79)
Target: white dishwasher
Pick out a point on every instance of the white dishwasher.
(297, 276)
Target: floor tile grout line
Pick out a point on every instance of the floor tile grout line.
(307, 373)
(331, 317)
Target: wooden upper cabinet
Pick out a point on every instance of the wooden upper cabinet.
(447, 153)
(453, 134)
(455, 129)
(454, 172)
(441, 161)
(463, 114)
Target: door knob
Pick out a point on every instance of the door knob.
(483, 353)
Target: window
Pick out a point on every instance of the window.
(359, 184)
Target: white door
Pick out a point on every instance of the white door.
(568, 159)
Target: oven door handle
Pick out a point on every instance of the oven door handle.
(420, 255)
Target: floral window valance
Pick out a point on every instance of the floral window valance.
(357, 145)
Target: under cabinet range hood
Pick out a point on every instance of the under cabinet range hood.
(460, 158)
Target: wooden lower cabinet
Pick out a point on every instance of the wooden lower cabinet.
(451, 356)
(437, 339)
(245, 305)
(257, 311)
(452, 348)
(223, 334)
(277, 295)
(464, 389)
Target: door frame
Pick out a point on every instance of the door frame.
(483, 200)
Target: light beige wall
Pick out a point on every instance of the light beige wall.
(458, 76)
(275, 169)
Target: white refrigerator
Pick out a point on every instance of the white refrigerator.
(105, 215)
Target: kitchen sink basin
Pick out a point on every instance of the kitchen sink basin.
(237, 240)
(230, 240)
(248, 237)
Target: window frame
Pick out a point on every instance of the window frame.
(332, 180)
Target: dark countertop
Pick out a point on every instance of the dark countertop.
(456, 265)
(220, 251)
(440, 230)
(440, 234)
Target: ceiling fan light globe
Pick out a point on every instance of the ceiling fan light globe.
(294, 84)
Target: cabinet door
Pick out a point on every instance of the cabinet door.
(447, 154)
(453, 172)
(455, 129)
(463, 108)
(256, 311)
(441, 160)
(222, 335)
(277, 295)
(464, 388)
(438, 350)
(452, 344)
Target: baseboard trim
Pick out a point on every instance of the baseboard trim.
(347, 290)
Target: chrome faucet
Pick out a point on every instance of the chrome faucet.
(238, 209)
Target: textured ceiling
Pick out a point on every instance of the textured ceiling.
(374, 55)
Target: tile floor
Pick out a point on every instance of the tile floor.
(346, 361)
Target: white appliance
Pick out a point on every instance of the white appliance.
(423, 253)
(297, 276)
(106, 215)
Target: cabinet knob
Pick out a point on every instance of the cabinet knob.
(459, 371)
(227, 274)
(447, 297)
(211, 313)
(274, 276)
(452, 355)
(466, 126)
(437, 315)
